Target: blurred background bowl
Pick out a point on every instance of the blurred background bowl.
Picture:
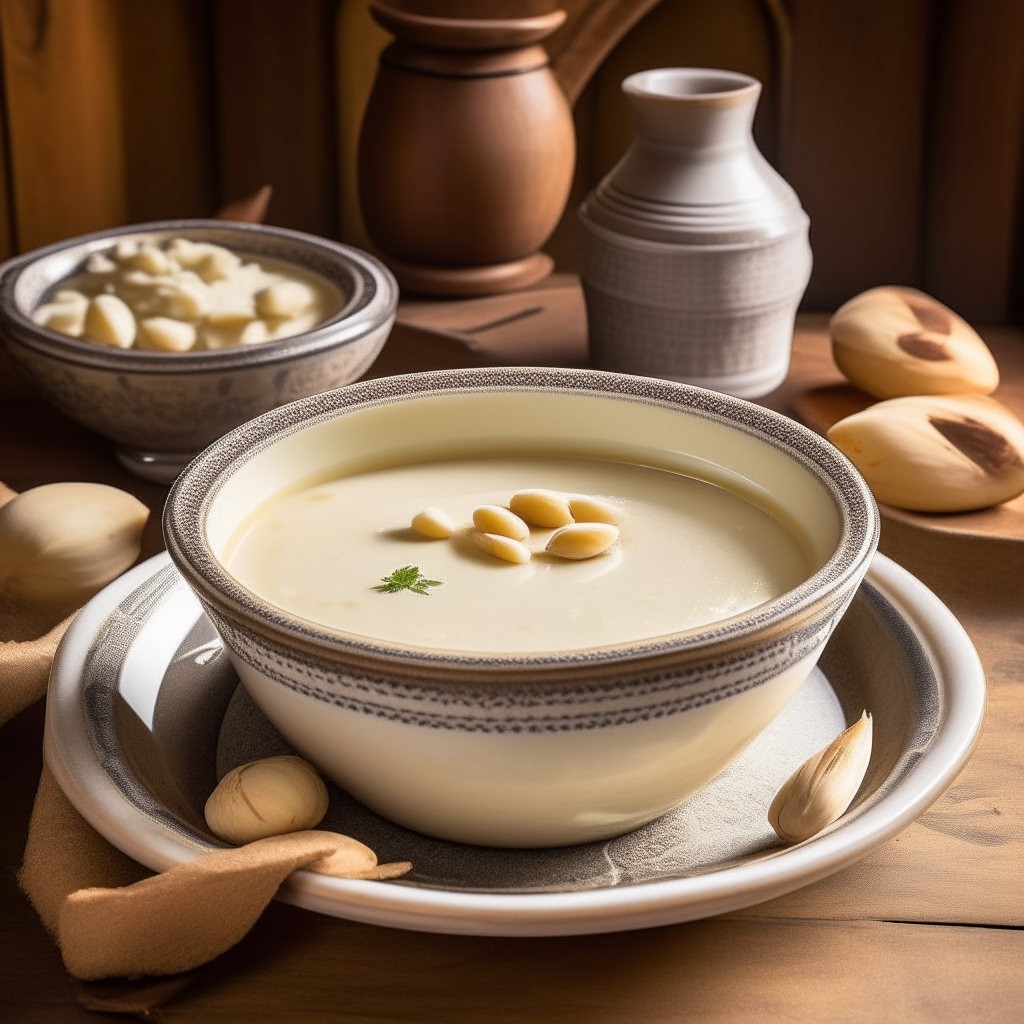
(160, 408)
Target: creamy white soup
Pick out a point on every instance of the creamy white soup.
(689, 553)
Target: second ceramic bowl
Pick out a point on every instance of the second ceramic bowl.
(159, 408)
(524, 748)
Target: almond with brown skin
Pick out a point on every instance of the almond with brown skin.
(936, 453)
(894, 341)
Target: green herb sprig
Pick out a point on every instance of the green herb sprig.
(408, 577)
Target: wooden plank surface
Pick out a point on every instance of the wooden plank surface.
(714, 972)
(841, 950)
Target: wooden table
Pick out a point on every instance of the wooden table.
(926, 928)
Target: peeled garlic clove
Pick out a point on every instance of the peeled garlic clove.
(215, 264)
(936, 453)
(126, 249)
(820, 791)
(433, 523)
(586, 509)
(163, 334)
(892, 342)
(284, 298)
(267, 798)
(582, 540)
(64, 542)
(495, 519)
(109, 321)
(188, 298)
(541, 508)
(505, 548)
(100, 263)
(64, 313)
(150, 259)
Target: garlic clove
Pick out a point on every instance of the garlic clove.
(823, 787)
(109, 321)
(893, 341)
(162, 334)
(64, 542)
(267, 798)
(936, 453)
(284, 298)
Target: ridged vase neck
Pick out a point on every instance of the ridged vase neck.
(693, 107)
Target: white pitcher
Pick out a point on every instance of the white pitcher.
(695, 250)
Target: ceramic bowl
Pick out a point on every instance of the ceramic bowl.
(159, 408)
(545, 748)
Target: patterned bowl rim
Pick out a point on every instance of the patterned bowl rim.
(191, 497)
(371, 288)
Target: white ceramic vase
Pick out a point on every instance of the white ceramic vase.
(695, 250)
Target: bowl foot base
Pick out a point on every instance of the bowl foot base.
(492, 279)
(157, 467)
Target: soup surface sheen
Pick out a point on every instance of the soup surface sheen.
(689, 554)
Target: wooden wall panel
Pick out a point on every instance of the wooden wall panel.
(975, 158)
(856, 138)
(359, 42)
(167, 114)
(7, 240)
(62, 84)
(276, 124)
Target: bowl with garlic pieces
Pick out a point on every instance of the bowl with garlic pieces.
(162, 337)
(521, 607)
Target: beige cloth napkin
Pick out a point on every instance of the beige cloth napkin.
(110, 916)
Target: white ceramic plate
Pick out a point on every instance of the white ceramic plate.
(145, 713)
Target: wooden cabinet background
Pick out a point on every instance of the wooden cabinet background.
(899, 122)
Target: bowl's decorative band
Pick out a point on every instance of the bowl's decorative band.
(189, 504)
(638, 696)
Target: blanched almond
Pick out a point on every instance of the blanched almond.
(541, 508)
(433, 523)
(893, 342)
(582, 540)
(936, 453)
(586, 509)
(505, 548)
(495, 519)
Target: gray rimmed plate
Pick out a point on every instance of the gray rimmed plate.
(145, 713)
